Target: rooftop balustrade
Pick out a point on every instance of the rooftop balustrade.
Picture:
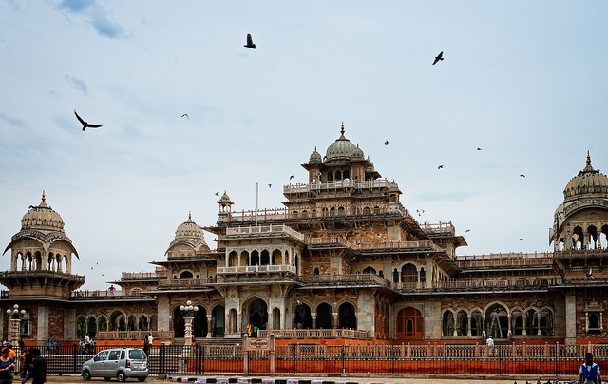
(252, 269)
(505, 260)
(261, 230)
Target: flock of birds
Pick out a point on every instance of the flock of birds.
(251, 45)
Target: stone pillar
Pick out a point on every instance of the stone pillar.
(509, 333)
(314, 321)
(468, 325)
(455, 333)
(524, 332)
(335, 316)
(570, 319)
(209, 325)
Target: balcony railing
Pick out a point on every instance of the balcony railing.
(272, 229)
(252, 269)
(186, 283)
(581, 253)
(333, 185)
(505, 260)
(315, 333)
(359, 279)
(142, 275)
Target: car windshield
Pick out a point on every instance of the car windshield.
(136, 354)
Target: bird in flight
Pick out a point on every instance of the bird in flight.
(440, 166)
(269, 185)
(86, 125)
(386, 142)
(249, 42)
(291, 177)
(217, 193)
(522, 175)
(438, 58)
(468, 230)
(479, 149)
(186, 115)
(420, 212)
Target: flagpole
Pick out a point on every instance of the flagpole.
(256, 202)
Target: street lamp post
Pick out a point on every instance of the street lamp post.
(188, 312)
(15, 315)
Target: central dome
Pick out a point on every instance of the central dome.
(42, 217)
(588, 181)
(341, 149)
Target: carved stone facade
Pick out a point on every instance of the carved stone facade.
(343, 253)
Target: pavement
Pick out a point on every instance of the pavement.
(77, 379)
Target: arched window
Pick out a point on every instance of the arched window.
(410, 324)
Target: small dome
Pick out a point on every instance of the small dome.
(358, 153)
(341, 149)
(189, 229)
(315, 157)
(42, 217)
(588, 181)
(225, 198)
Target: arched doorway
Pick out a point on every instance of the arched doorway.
(325, 320)
(178, 323)
(199, 323)
(302, 318)
(346, 316)
(410, 324)
(258, 314)
(217, 315)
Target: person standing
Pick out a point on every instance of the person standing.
(589, 371)
(146, 346)
(38, 373)
(490, 344)
(6, 367)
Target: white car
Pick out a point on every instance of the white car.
(121, 363)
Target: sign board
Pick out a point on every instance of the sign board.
(257, 344)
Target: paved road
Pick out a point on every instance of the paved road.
(76, 379)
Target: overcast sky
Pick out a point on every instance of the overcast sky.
(525, 81)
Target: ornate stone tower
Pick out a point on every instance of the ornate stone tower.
(41, 257)
(581, 221)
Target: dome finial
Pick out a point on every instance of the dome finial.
(342, 129)
(588, 158)
(43, 195)
(189, 215)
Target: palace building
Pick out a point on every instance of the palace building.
(343, 258)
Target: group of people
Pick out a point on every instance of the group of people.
(32, 366)
(87, 345)
(148, 341)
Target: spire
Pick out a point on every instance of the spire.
(588, 158)
(342, 129)
(43, 196)
(189, 215)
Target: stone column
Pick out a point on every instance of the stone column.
(523, 324)
(209, 325)
(314, 321)
(509, 333)
(455, 333)
(335, 316)
(468, 325)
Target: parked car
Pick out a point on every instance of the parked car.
(121, 363)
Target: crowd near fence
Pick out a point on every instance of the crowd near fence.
(436, 358)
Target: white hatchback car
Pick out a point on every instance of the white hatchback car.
(121, 363)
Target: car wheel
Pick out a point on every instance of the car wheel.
(142, 378)
(86, 375)
(121, 376)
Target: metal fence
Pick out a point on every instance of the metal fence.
(314, 359)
